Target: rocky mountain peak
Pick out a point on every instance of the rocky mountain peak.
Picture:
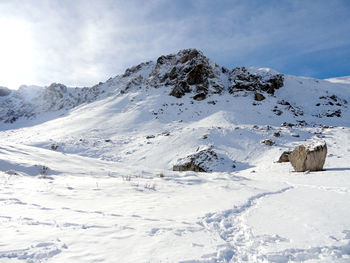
(187, 71)
(190, 72)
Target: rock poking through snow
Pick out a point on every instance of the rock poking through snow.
(284, 158)
(258, 96)
(308, 157)
(203, 160)
(268, 142)
(4, 91)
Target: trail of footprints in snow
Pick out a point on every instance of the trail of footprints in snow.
(242, 246)
(35, 253)
(32, 221)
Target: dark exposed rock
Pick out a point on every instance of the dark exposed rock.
(275, 82)
(173, 73)
(334, 97)
(258, 96)
(242, 79)
(224, 70)
(200, 96)
(163, 59)
(336, 113)
(54, 147)
(308, 157)
(191, 54)
(188, 66)
(287, 124)
(277, 112)
(277, 134)
(180, 89)
(331, 105)
(268, 142)
(197, 75)
(284, 158)
(165, 133)
(283, 102)
(301, 123)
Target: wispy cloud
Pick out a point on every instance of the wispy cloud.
(84, 42)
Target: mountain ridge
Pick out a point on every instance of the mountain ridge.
(188, 71)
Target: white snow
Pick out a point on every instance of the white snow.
(344, 80)
(110, 195)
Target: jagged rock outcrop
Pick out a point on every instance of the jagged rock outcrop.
(187, 71)
(308, 157)
(242, 79)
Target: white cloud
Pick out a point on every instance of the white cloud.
(84, 42)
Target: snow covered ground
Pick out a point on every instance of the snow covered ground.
(345, 80)
(108, 192)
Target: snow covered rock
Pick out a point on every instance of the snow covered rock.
(203, 160)
(308, 157)
(4, 91)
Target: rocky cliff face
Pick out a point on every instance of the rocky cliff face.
(241, 79)
(190, 72)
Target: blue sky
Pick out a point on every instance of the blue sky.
(82, 42)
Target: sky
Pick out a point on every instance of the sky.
(83, 42)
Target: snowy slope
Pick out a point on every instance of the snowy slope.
(109, 193)
(344, 80)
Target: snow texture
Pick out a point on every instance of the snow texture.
(86, 174)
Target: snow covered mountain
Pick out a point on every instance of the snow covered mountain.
(187, 72)
(107, 154)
